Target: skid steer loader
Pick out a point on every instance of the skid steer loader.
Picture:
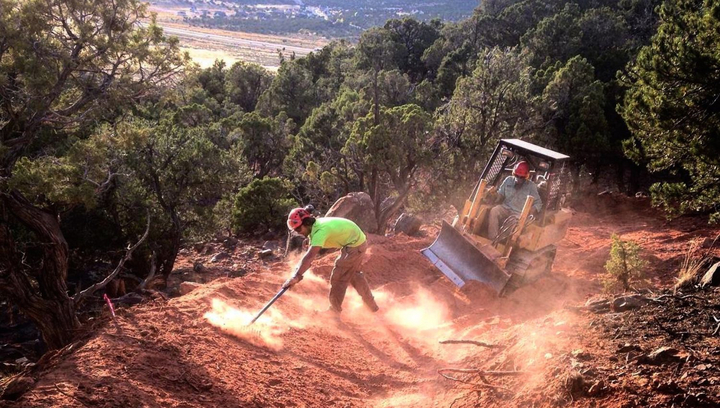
(524, 249)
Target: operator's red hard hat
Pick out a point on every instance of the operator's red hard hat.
(522, 170)
(296, 217)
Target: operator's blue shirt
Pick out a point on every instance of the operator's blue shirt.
(515, 195)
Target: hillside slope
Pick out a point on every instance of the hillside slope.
(195, 350)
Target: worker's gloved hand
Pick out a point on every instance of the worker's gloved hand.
(292, 281)
(491, 196)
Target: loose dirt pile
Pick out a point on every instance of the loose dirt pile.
(538, 347)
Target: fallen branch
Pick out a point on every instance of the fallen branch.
(473, 342)
(690, 297)
(482, 372)
(496, 387)
(80, 296)
(659, 298)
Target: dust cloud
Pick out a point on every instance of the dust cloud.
(420, 317)
(267, 331)
(420, 311)
(264, 332)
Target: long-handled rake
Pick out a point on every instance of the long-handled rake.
(267, 306)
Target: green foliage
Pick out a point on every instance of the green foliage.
(414, 37)
(178, 169)
(262, 204)
(329, 68)
(606, 41)
(556, 38)
(377, 50)
(291, 91)
(69, 64)
(573, 107)
(493, 103)
(263, 142)
(671, 106)
(388, 152)
(316, 159)
(212, 80)
(52, 180)
(244, 83)
(625, 266)
(65, 67)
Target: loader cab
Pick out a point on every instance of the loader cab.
(525, 247)
(548, 170)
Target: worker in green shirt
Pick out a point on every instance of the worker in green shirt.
(333, 232)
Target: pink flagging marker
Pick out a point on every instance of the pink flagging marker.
(110, 305)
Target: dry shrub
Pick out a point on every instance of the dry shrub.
(693, 264)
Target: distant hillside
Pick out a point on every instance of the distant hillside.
(330, 18)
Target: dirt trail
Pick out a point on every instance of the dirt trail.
(194, 350)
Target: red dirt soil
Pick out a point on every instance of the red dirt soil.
(196, 350)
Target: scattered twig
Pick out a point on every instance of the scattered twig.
(473, 342)
(458, 399)
(717, 329)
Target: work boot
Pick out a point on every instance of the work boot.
(371, 305)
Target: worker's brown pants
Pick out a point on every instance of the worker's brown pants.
(497, 216)
(347, 271)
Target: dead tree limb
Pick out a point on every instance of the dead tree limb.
(153, 270)
(80, 296)
(473, 342)
(482, 372)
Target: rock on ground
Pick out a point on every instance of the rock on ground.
(358, 207)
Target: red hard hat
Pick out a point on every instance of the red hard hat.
(296, 217)
(522, 170)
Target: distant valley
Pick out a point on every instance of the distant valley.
(262, 32)
(326, 18)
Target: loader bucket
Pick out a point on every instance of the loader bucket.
(461, 261)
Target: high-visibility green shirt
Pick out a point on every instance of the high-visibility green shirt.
(335, 232)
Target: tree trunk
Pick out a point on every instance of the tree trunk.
(167, 254)
(376, 98)
(384, 216)
(620, 176)
(51, 309)
(635, 173)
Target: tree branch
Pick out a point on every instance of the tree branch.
(473, 342)
(481, 372)
(78, 298)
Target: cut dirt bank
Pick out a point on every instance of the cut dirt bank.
(194, 350)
